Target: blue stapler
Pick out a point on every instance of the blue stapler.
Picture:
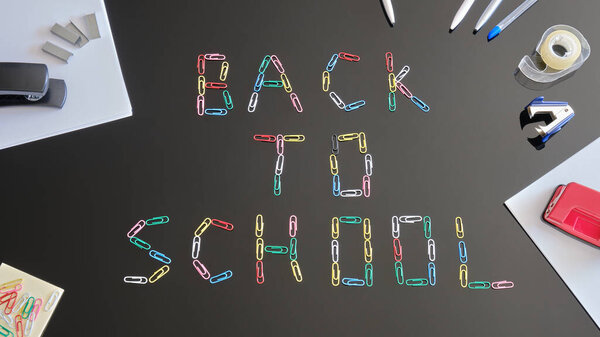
(560, 112)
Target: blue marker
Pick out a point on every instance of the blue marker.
(510, 18)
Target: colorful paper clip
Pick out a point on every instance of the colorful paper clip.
(228, 100)
(51, 302)
(140, 243)
(259, 82)
(410, 218)
(427, 227)
(201, 85)
(19, 305)
(335, 145)
(462, 251)
(335, 274)
(265, 138)
(337, 100)
(336, 185)
(279, 165)
(201, 269)
(351, 193)
(258, 229)
(392, 82)
(214, 57)
(362, 142)
(222, 224)
(203, 227)
(368, 248)
(417, 282)
(277, 64)
(253, 102)
(201, 64)
(353, 282)
(335, 251)
(354, 105)
(10, 285)
(159, 256)
(260, 276)
(431, 250)
(215, 112)
(325, 81)
(135, 229)
(399, 272)
(221, 277)
(333, 164)
(397, 250)
(224, 71)
(159, 220)
(277, 185)
(293, 226)
(294, 138)
(368, 164)
(431, 273)
(332, 61)
(296, 102)
(160, 272)
(366, 186)
(402, 73)
(367, 229)
(286, 83)
(389, 62)
(502, 284)
(131, 279)
(369, 274)
(215, 85)
(479, 285)
(272, 84)
(200, 105)
(196, 247)
(335, 227)
(280, 146)
(260, 248)
(37, 305)
(349, 57)
(293, 251)
(392, 101)
(404, 90)
(463, 275)
(29, 324)
(395, 227)
(418, 102)
(350, 219)
(279, 250)
(296, 270)
(459, 227)
(264, 64)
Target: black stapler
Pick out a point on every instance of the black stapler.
(29, 83)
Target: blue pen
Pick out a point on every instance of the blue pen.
(510, 18)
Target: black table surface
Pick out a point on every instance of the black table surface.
(68, 201)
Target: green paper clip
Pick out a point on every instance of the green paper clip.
(417, 282)
(399, 272)
(427, 227)
(392, 101)
(277, 185)
(228, 100)
(140, 243)
(479, 285)
(159, 220)
(293, 253)
(273, 84)
(27, 311)
(280, 250)
(369, 274)
(264, 64)
(5, 332)
(351, 219)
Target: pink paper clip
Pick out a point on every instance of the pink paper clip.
(389, 62)
(293, 226)
(296, 102)
(277, 64)
(260, 276)
(200, 105)
(404, 90)
(397, 250)
(37, 305)
(222, 224)
(366, 187)
(265, 138)
(136, 228)
(349, 57)
(503, 284)
(279, 145)
(16, 287)
(201, 64)
(215, 85)
(201, 269)
(214, 57)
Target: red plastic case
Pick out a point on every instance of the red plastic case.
(575, 209)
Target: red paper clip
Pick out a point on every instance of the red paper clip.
(201, 269)
(296, 102)
(265, 138)
(277, 64)
(404, 90)
(201, 64)
(10, 299)
(222, 224)
(349, 57)
(260, 276)
(214, 57)
(19, 326)
(389, 62)
(215, 85)
(397, 250)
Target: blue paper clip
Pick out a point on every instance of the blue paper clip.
(228, 100)
(354, 105)
(332, 62)
(259, 82)
(462, 251)
(264, 64)
(353, 282)
(369, 274)
(350, 219)
(336, 185)
(221, 277)
(293, 253)
(215, 112)
(160, 256)
(418, 102)
(427, 227)
(431, 273)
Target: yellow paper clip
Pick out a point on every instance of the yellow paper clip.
(260, 248)
(335, 274)
(367, 228)
(258, 231)
(362, 142)
(326, 81)
(201, 85)
(335, 227)
(368, 251)
(333, 165)
(348, 136)
(203, 226)
(391, 82)
(296, 270)
(286, 83)
(224, 71)
(11, 284)
(162, 271)
(459, 227)
(294, 138)
(464, 280)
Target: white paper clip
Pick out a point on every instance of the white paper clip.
(335, 250)
(368, 164)
(135, 279)
(196, 247)
(351, 193)
(395, 227)
(402, 73)
(431, 249)
(21, 302)
(337, 100)
(29, 324)
(253, 102)
(410, 218)
(51, 301)
(279, 165)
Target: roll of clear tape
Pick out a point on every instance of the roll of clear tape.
(560, 49)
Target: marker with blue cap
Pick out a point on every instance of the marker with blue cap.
(510, 18)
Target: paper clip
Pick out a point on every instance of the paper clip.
(296, 102)
(215, 85)
(479, 285)
(27, 308)
(431, 273)
(215, 112)
(335, 227)
(265, 138)
(9, 321)
(395, 227)
(392, 82)
(253, 102)
(10, 285)
(196, 247)
(139, 243)
(264, 64)
(336, 185)
(417, 282)
(418, 102)
(502, 284)
(201, 269)
(200, 105)
(397, 250)
(222, 224)
(224, 71)
(354, 105)
(368, 251)
(366, 186)
(427, 227)
(332, 61)
(335, 145)
(335, 251)
(399, 272)
(159, 256)
(279, 250)
(347, 137)
(51, 302)
(367, 229)
(294, 138)
(259, 82)
(201, 64)
(22, 300)
(404, 90)
(335, 274)
(351, 193)
(459, 227)
(159, 220)
(29, 324)
(353, 282)
(214, 57)
(258, 229)
(286, 83)
(260, 244)
(463, 275)
(349, 57)
(402, 73)
(228, 100)
(202, 227)
(221, 277)
(369, 274)
(260, 276)
(368, 164)
(10, 299)
(410, 218)
(293, 250)
(333, 164)
(350, 219)
(337, 100)
(277, 185)
(201, 85)
(431, 249)
(293, 226)
(280, 146)
(37, 305)
(272, 84)
(277, 64)
(279, 165)
(19, 328)
(392, 101)
(325, 81)
(128, 279)
(296, 270)
(462, 252)
(389, 62)
(362, 143)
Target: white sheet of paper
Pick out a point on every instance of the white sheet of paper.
(96, 91)
(577, 263)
